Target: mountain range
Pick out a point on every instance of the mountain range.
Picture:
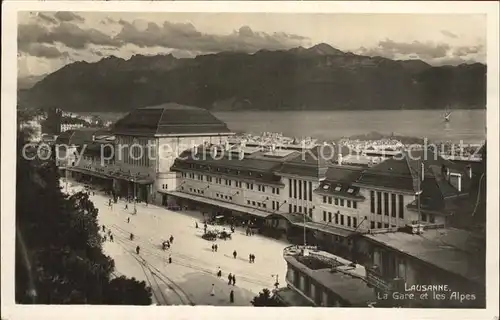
(317, 78)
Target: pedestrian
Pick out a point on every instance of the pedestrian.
(137, 249)
(126, 206)
(168, 245)
(103, 228)
(105, 238)
(212, 292)
(216, 247)
(219, 273)
(171, 239)
(111, 238)
(234, 279)
(169, 258)
(131, 237)
(163, 245)
(128, 220)
(213, 247)
(253, 258)
(196, 224)
(231, 296)
(250, 258)
(229, 279)
(109, 232)
(234, 254)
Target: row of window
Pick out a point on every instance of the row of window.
(341, 202)
(300, 209)
(396, 208)
(229, 182)
(134, 151)
(301, 190)
(349, 221)
(222, 196)
(380, 225)
(199, 191)
(276, 205)
(257, 204)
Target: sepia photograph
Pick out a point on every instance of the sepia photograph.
(230, 158)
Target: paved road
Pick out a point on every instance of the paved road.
(189, 278)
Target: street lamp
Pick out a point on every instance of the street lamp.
(135, 199)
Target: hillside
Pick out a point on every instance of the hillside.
(321, 78)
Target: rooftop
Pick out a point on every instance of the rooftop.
(453, 250)
(81, 136)
(170, 119)
(348, 282)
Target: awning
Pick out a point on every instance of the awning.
(325, 228)
(139, 180)
(293, 218)
(85, 171)
(222, 204)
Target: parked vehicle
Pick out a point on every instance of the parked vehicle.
(210, 236)
(225, 235)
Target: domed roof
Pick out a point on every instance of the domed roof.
(169, 119)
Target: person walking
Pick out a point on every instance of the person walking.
(234, 279)
(111, 238)
(131, 237)
(213, 247)
(253, 258)
(137, 249)
(196, 224)
(216, 247)
(250, 258)
(171, 239)
(229, 279)
(103, 228)
(212, 292)
(128, 220)
(126, 206)
(169, 258)
(105, 238)
(219, 273)
(235, 254)
(231, 297)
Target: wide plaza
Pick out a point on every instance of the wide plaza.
(189, 278)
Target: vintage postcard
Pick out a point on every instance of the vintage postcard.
(162, 158)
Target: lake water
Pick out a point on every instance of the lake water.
(466, 125)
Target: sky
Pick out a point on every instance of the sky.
(49, 40)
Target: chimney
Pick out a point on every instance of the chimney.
(455, 180)
(469, 171)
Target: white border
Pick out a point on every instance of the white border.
(9, 75)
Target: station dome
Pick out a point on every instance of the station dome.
(169, 119)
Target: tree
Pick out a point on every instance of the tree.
(59, 257)
(266, 299)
